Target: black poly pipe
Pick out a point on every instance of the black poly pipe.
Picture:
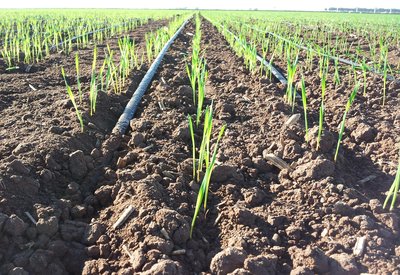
(342, 60)
(274, 71)
(130, 109)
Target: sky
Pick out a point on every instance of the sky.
(202, 4)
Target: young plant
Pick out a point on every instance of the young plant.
(394, 189)
(321, 109)
(291, 71)
(72, 98)
(93, 85)
(201, 89)
(78, 82)
(385, 69)
(348, 106)
(304, 100)
(203, 191)
(336, 75)
(364, 68)
(193, 145)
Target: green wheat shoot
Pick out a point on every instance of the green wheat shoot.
(348, 106)
(304, 100)
(394, 189)
(72, 98)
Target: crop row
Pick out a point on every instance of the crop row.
(246, 45)
(29, 38)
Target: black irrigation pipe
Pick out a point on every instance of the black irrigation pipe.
(263, 61)
(342, 60)
(131, 107)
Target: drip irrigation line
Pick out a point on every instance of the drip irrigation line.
(130, 109)
(263, 61)
(342, 60)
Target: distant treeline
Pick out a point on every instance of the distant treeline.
(363, 10)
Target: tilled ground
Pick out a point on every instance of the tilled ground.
(260, 219)
(48, 167)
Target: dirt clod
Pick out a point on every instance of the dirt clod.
(14, 225)
(315, 169)
(227, 260)
(261, 265)
(77, 164)
(47, 226)
(363, 132)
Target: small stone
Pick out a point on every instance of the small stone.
(276, 239)
(227, 260)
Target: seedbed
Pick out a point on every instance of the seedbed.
(303, 218)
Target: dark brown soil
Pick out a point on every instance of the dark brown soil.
(48, 166)
(260, 219)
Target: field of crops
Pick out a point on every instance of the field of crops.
(214, 142)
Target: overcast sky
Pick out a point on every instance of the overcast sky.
(207, 4)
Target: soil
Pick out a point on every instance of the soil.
(305, 219)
